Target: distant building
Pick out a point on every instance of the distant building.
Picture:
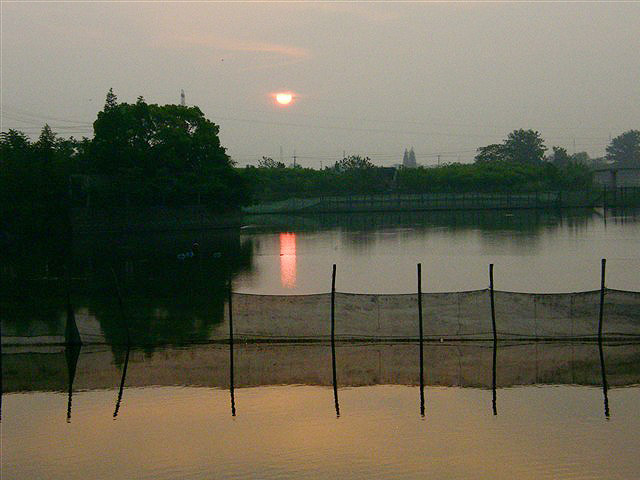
(409, 159)
(615, 177)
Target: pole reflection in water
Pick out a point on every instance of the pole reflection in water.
(333, 340)
(605, 387)
(231, 392)
(124, 376)
(71, 353)
(493, 378)
(288, 260)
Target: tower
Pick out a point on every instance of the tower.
(182, 99)
(409, 159)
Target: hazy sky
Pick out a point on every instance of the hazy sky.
(371, 78)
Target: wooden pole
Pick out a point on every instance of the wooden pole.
(493, 304)
(333, 302)
(421, 339)
(602, 288)
(333, 341)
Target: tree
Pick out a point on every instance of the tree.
(560, 157)
(46, 144)
(525, 147)
(111, 102)
(624, 150)
(581, 158)
(353, 162)
(163, 153)
(491, 153)
(14, 146)
(268, 162)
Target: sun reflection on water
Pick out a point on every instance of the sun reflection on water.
(288, 260)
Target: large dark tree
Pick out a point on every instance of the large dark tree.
(166, 153)
(624, 150)
(525, 147)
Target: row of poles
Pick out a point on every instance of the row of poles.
(72, 335)
(492, 300)
(72, 353)
(74, 343)
(421, 340)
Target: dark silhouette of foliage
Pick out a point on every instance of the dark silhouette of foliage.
(624, 150)
(34, 180)
(521, 147)
(353, 162)
(560, 157)
(268, 162)
(167, 154)
(491, 153)
(525, 147)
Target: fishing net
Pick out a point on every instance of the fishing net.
(446, 316)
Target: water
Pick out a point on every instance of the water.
(174, 417)
(542, 252)
(537, 410)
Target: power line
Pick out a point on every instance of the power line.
(39, 117)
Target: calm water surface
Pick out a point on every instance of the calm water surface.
(175, 416)
(540, 252)
(557, 410)
(292, 432)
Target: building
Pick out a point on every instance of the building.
(617, 177)
(409, 159)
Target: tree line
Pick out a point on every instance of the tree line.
(518, 164)
(145, 154)
(140, 154)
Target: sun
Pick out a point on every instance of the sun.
(284, 98)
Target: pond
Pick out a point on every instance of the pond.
(556, 411)
(533, 251)
(181, 406)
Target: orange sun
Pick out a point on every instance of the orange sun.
(284, 98)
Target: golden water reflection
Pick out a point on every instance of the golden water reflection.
(288, 260)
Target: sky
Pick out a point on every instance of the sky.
(369, 78)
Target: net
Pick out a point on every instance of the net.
(446, 316)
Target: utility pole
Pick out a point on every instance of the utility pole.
(438, 159)
(294, 157)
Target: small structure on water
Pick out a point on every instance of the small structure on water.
(615, 177)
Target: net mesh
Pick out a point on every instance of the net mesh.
(447, 316)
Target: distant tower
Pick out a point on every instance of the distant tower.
(409, 159)
(412, 159)
(182, 99)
